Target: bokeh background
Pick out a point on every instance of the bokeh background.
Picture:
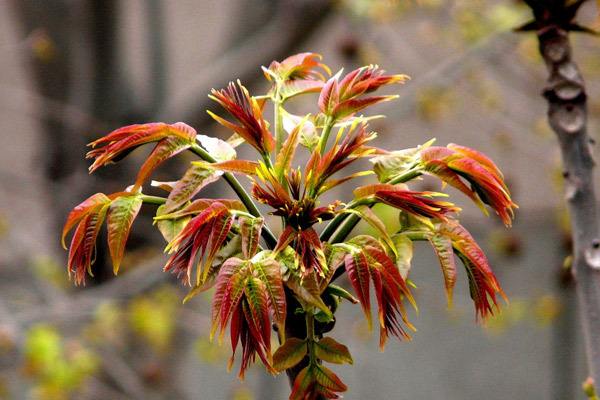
(72, 70)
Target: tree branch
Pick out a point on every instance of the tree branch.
(567, 114)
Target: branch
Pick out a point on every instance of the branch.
(567, 114)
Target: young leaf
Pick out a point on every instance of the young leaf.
(328, 349)
(268, 271)
(289, 354)
(444, 251)
(247, 111)
(308, 291)
(327, 379)
(283, 162)
(302, 385)
(194, 179)
(404, 254)
(238, 166)
(357, 267)
(83, 243)
(80, 211)
(250, 229)
(123, 140)
(121, 213)
(165, 149)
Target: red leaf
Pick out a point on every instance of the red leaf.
(229, 289)
(203, 235)
(121, 141)
(82, 210)
(257, 316)
(165, 149)
(269, 272)
(482, 281)
(83, 243)
(357, 268)
(247, 111)
(250, 230)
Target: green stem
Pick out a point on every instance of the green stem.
(329, 123)
(241, 193)
(405, 177)
(153, 200)
(341, 217)
(347, 222)
(279, 131)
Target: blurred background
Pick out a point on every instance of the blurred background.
(72, 70)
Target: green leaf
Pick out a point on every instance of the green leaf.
(218, 149)
(404, 253)
(170, 228)
(328, 349)
(342, 293)
(121, 213)
(326, 378)
(369, 216)
(289, 354)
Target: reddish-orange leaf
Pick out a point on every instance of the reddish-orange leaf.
(248, 112)
(123, 140)
(257, 316)
(482, 281)
(165, 149)
(83, 243)
(357, 268)
(269, 272)
(121, 214)
(82, 210)
(194, 179)
(250, 230)
(443, 249)
(283, 162)
(302, 385)
(239, 166)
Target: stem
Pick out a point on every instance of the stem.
(153, 200)
(241, 193)
(329, 123)
(310, 335)
(349, 221)
(567, 114)
(278, 120)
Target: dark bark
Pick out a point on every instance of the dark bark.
(567, 114)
